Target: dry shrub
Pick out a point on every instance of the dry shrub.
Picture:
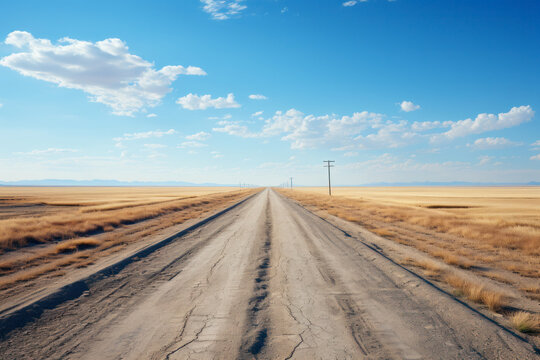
(477, 292)
(382, 232)
(77, 244)
(525, 322)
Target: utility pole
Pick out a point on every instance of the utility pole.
(329, 165)
(291, 183)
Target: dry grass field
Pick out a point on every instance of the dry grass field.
(492, 233)
(46, 229)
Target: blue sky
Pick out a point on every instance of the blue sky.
(261, 90)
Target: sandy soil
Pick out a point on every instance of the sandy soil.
(266, 280)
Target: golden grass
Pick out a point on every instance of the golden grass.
(72, 237)
(477, 292)
(81, 217)
(525, 322)
(507, 217)
(77, 244)
(465, 227)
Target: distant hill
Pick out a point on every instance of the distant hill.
(97, 182)
(449, 183)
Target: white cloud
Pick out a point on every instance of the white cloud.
(488, 122)
(200, 136)
(154, 146)
(352, 2)
(235, 129)
(361, 130)
(536, 143)
(429, 125)
(1, 105)
(350, 153)
(144, 135)
(216, 154)
(258, 113)
(47, 151)
(223, 9)
(151, 115)
(192, 144)
(257, 97)
(409, 106)
(535, 157)
(196, 102)
(492, 143)
(105, 70)
(483, 160)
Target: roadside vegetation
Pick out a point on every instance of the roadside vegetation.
(479, 241)
(50, 230)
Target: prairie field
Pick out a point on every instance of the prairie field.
(46, 229)
(491, 233)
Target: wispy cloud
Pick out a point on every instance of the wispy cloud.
(155, 146)
(223, 9)
(144, 135)
(257, 97)
(492, 143)
(192, 144)
(105, 70)
(47, 151)
(196, 102)
(200, 136)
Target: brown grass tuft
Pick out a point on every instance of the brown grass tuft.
(525, 322)
(476, 292)
(77, 244)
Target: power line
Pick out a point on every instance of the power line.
(329, 165)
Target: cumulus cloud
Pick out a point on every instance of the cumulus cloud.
(536, 143)
(151, 115)
(409, 106)
(196, 102)
(258, 113)
(488, 122)
(429, 125)
(223, 9)
(492, 143)
(257, 97)
(144, 135)
(535, 157)
(361, 130)
(200, 136)
(105, 70)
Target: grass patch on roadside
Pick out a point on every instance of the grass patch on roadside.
(525, 322)
(477, 292)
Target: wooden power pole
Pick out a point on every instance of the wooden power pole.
(329, 165)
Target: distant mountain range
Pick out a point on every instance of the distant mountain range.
(64, 182)
(97, 182)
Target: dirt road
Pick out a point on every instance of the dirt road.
(267, 280)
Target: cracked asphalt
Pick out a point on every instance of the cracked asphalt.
(266, 280)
